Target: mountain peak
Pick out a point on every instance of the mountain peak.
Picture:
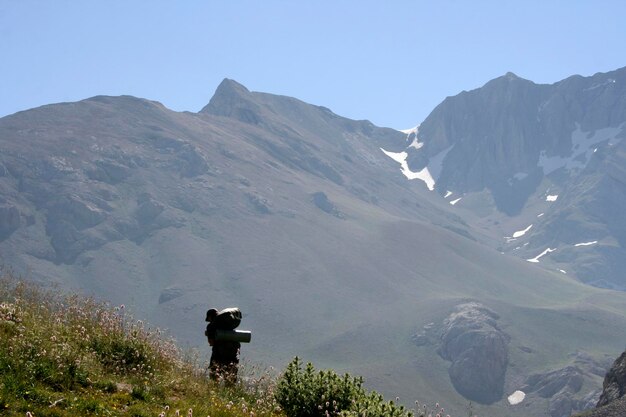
(232, 99)
(228, 86)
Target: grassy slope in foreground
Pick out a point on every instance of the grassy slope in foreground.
(70, 356)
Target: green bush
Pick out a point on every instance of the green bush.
(310, 393)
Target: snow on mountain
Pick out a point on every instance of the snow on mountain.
(428, 174)
(521, 233)
(542, 254)
(583, 146)
(586, 243)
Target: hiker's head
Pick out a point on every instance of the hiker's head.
(210, 314)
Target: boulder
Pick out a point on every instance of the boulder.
(478, 350)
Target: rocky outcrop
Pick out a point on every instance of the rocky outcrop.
(614, 386)
(547, 385)
(559, 386)
(612, 401)
(564, 387)
(9, 220)
(322, 202)
(478, 350)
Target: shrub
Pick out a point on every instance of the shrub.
(310, 393)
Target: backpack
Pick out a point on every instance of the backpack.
(228, 319)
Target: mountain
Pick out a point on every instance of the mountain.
(546, 159)
(300, 217)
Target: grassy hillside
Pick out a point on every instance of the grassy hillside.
(68, 356)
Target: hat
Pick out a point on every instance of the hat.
(210, 314)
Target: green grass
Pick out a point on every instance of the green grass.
(66, 355)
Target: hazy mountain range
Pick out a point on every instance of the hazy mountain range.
(443, 263)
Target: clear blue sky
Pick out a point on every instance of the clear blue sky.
(390, 62)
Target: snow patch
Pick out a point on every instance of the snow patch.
(520, 176)
(552, 197)
(540, 214)
(517, 397)
(423, 175)
(415, 143)
(399, 157)
(583, 144)
(448, 194)
(411, 130)
(453, 202)
(536, 258)
(521, 233)
(428, 174)
(586, 243)
(560, 270)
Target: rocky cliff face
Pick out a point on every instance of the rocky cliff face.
(517, 154)
(511, 128)
(614, 386)
(612, 402)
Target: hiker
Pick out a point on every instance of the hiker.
(225, 354)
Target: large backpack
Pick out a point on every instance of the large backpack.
(228, 319)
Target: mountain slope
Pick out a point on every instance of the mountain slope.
(297, 216)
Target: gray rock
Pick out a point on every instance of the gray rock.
(191, 162)
(478, 350)
(614, 385)
(560, 405)
(10, 220)
(322, 202)
(259, 203)
(69, 242)
(420, 339)
(77, 211)
(148, 210)
(109, 171)
(168, 294)
(546, 385)
(587, 402)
